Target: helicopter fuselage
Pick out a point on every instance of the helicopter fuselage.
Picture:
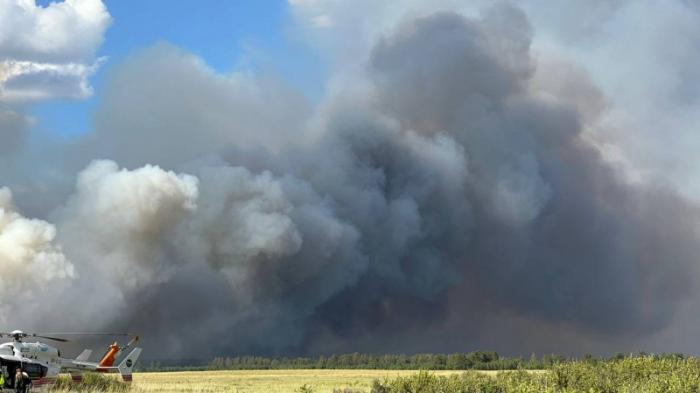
(40, 361)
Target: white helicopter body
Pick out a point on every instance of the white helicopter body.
(43, 363)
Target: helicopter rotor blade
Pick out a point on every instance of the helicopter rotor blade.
(61, 340)
(52, 336)
(131, 342)
(85, 334)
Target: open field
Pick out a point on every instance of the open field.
(643, 374)
(264, 381)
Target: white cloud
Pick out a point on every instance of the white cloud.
(29, 81)
(49, 52)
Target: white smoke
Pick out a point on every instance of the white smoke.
(117, 221)
(30, 260)
(130, 231)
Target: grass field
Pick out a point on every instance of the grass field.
(642, 374)
(264, 381)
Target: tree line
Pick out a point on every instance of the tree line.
(481, 360)
(477, 360)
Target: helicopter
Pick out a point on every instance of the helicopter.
(43, 363)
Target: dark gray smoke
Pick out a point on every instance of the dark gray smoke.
(443, 197)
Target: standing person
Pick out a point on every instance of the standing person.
(26, 382)
(19, 382)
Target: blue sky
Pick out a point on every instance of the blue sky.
(228, 35)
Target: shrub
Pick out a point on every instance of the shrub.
(305, 389)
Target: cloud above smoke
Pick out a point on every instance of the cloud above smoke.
(49, 52)
(457, 176)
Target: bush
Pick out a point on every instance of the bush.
(305, 389)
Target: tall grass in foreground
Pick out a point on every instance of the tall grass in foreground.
(91, 383)
(629, 375)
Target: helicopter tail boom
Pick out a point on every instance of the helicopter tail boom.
(125, 367)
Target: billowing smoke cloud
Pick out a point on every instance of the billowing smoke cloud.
(29, 259)
(449, 188)
(183, 111)
(124, 216)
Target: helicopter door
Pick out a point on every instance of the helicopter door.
(34, 370)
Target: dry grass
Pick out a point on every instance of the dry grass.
(264, 381)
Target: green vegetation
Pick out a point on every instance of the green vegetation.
(618, 374)
(479, 360)
(305, 389)
(649, 374)
(92, 382)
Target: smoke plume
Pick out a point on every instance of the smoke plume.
(29, 259)
(452, 191)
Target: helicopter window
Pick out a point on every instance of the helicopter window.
(34, 370)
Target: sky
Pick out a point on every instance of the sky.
(325, 176)
(226, 35)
